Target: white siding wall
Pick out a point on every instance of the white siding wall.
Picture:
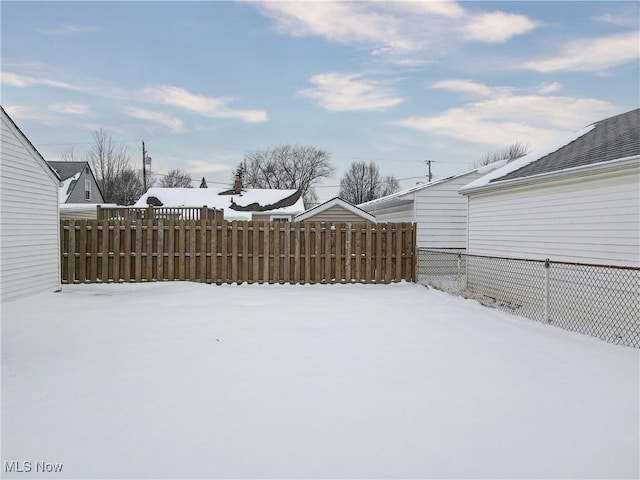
(441, 214)
(399, 213)
(29, 230)
(591, 219)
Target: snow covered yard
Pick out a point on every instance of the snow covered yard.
(183, 380)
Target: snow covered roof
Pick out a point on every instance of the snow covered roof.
(608, 140)
(336, 201)
(66, 187)
(69, 173)
(235, 206)
(400, 194)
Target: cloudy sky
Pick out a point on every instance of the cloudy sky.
(395, 82)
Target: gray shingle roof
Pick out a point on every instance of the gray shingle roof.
(67, 169)
(610, 139)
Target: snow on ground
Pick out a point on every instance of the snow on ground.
(183, 380)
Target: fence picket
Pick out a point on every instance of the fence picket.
(127, 251)
(224, 259)
(72, 251)
(244, 256)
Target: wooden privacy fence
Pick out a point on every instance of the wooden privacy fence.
(236, 252)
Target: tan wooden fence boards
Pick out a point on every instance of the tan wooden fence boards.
(236, 252)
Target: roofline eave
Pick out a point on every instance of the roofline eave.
(580, 171)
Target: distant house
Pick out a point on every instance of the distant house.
(29, 237)
(335, 210)
(439, 211)
(79, 185)
(578, 201)
(237, 203)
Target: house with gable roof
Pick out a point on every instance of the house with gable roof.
(78, 183)
(576, 201)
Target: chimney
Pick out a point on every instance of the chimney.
(237, 185)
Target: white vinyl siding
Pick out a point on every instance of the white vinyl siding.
(590, 219)
(398, 213)
(439, 211)
(441, 214)
(29, 229)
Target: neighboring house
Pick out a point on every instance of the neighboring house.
(29, 236)
(237, 203)
(578, 201)
(335, 210)
(439, 211)
(79, 184)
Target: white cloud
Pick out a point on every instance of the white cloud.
(69, 29)
(343, 22)
(620, 20)
(499, 121)
(22, 81)
(339, 92)
(591, 54)
(546, 88)
(71, 109)
(445, 8)
(208, 106)
(172, 123)
(498, 27)
(23, 112)
(403, 32)
(465, 86)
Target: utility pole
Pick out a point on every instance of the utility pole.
(429, 164)
(144, 167)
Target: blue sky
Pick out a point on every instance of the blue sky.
(394, 82)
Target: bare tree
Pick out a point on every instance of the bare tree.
(388, 186)
(108, 159)
(362, 182)
(176, 178)
(287, 167)
(513, 151)
(129, 187)
(69, 156)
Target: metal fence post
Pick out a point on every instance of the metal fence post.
(459, 274)
(547, 263)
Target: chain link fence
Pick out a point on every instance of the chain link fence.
(598, 300)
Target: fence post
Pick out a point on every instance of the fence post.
(98, 213)
(547, 263)
(459, 274)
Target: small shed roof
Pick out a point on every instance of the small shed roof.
(335, 201)
(398, 197)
